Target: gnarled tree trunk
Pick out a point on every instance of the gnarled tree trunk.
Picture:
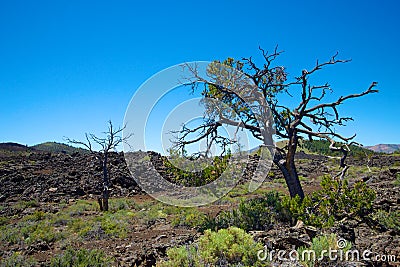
(289, 171)
(288, 167)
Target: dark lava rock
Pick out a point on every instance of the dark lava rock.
(54, 177)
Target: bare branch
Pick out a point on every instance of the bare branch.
(343, 98)
(87, 145)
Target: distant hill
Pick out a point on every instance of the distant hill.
(14, 147)
(321, 147)
(385, 148)
(55, 147)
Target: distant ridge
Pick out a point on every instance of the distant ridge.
(14, 147)
(55, 147)
(384, 148)
(52, 147)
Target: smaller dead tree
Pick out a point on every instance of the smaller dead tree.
(107, 144)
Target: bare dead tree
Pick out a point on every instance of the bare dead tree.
(312, 118)
(107, 144)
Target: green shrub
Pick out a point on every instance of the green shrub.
(16, 259)
(30, 203)
(9, 234)
(4, 220)
(29, 231)
(21, 205)
(181, 257)
(309, 256)
(35, 216)
(150, 213)
(207, 175)
(116, 224)
(335, 201)
(40, 226)
(251, 214)
(42, 232)
(191, 217)
(80, 207)
(227, 247)
(81, 258)
(79, 226)
(390, 220)
(107, 224)
(397, 181)
(122, 204)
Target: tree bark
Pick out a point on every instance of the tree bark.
(103, 201)
(288, 167)
(105, 182)
(100, 201)
(291, 178)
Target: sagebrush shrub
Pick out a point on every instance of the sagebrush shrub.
(251, 214)
(16, 259)
(389, 219)
(319, 249)
(227, 247)
(82, 258)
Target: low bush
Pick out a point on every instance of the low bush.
(227, 247)
(390, 220)
(189, 217)
(29, 231)
(397, 181)
(81, 258)
(150, 213)
(80, 219)
(251, 214)
(117, 204)
(4, 220)
(319, 249)
(80, 207)
(116, 224)
(16, 259)
(335, 201)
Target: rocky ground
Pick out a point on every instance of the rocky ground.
(56, 183)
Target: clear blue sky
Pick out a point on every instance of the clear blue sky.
(66, 67)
